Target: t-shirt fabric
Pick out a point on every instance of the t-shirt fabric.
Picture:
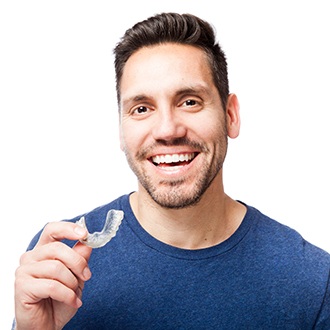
(265, 276)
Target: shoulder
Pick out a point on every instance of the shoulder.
(280, 235)
(282, 254)
(286, 247)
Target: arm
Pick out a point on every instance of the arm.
(323, 319)
(50, 278)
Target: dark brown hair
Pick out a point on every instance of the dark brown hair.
(172, 27)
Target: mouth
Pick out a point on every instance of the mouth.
(173, 160)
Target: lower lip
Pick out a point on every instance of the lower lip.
(171, 170)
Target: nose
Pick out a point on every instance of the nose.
(168, 125)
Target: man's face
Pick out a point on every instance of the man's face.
(173, 126)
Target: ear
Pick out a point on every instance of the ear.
(233, 117)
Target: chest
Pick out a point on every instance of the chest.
(148, 290)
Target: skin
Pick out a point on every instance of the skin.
(170, 105)
(50, 279)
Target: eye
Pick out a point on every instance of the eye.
(140, 110)
(190, 103)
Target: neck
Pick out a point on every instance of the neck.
(211, 221)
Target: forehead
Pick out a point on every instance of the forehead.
(165, 67)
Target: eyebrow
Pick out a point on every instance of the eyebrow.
(136, 98)
(195, 89)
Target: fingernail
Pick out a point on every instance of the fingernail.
(78, 303)
(87, 273)
(80, 231)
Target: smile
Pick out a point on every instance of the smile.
(173, 159)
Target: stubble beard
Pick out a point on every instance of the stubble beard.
(173, 194)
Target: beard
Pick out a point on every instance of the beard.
(173, 193)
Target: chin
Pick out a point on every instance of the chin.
(176, 199)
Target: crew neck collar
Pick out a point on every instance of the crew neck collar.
(180, 253)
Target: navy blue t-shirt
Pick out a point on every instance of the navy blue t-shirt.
(265, 276)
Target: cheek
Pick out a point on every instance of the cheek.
(121, 139)
(210, 121)
(211, 129)
(126, 142)
(131, 137)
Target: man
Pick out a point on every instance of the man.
(186, 255)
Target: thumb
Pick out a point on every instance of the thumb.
(84, 250)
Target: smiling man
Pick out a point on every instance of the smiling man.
(174, 133)
(186, 256)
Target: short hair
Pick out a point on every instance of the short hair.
(174, 28)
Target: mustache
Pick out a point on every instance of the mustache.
(184, 142)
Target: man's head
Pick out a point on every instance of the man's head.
(174, 122)
(174, 28)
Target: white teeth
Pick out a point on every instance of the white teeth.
(175, 158)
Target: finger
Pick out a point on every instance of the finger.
(61, 252)
(49, 269)
(79, 290)
(84, 250)
(57, 231)
(36, 290)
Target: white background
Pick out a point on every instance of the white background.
(60, 154)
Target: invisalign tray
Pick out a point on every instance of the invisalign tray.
(100, 238)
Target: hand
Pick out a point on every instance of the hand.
(50, 278)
